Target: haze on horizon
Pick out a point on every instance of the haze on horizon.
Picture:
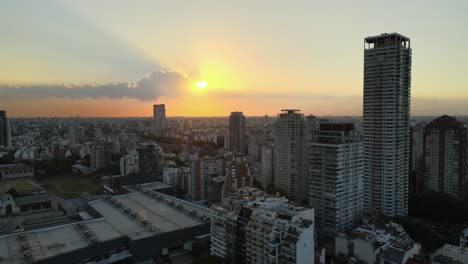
(117, 58)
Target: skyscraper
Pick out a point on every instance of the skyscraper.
(237, 132)
(444, 156)
(290, 138)
(386, 130)
(3, 129)
(159, 119)
(335, 181)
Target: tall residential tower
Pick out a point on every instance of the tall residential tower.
(386, 128)
(290, 146)
(237, 132)
(159, 119)
(444, 157)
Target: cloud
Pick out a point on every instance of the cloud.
(156, 84)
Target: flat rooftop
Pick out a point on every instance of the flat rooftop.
(141, 213)
(37, 245)
(144, 213)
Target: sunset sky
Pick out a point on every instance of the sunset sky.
(117, 58)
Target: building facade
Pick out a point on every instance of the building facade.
(203, 170)
(100, 157)
(268, 172)
(261, 229)
(237, 173)
(386, 129)
(237, 132)
(148, 164)
(159, 119)
(445, 156)
(129, 164)
(335, 181)
(19, 170)
(289, 147)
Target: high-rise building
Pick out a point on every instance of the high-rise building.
(101, 157)
(262, 229)
(203, 170)
(216, 193)
(416, 157)
(159, 119)
(257, 139)
(444, 162)
(335, 181)
(386, 128)
(312, 123)
(268, 170)
(148, 165)
(237, 132)
(289, 148)
(3, 129)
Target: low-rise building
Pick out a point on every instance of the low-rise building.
(452, 254)
(19, 170)
(370, 244)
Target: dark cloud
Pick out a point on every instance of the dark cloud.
(156, 84)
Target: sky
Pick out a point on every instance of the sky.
(118, 58)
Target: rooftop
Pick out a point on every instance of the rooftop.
(143, 212)
(139, 214)
(41, 244)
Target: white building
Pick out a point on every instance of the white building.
(386, 128)
(129, 164)
(290, 138)
(170, 175)
(267, 229)
(335, 181)
(386, 245)
(451, 253)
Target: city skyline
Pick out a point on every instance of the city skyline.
(112, 69)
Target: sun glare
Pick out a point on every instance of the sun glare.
(201, 84)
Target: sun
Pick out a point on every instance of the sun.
(201, 84)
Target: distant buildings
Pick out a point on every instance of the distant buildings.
(335, 181)
(444, 163)
(250, 227)
(159, 119)
(386, 129)
(237, 132)
(290, 147)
